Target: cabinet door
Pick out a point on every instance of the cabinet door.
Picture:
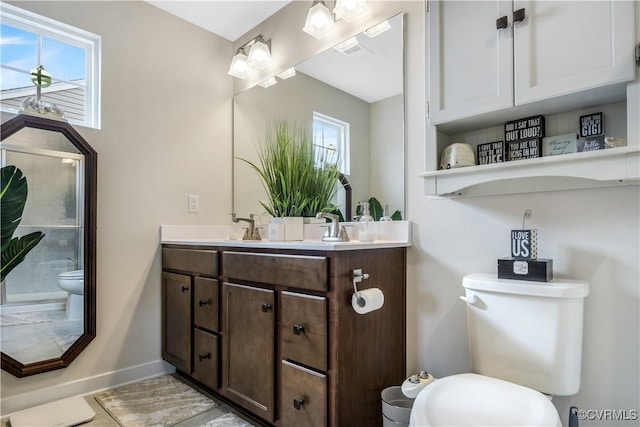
(205, 303)
(567, 46)
(248, 345)
(470, 60)
(205, 361)
(176, 320)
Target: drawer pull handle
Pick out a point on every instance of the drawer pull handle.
(297, 403)
(185, 288)
(266, 307)
(518, 15)
(203, 302)
(298, 329)
(202, 357)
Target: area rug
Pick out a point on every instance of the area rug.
(158, 402)
(228, 420)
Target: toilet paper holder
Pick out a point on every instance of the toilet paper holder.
(358, 276)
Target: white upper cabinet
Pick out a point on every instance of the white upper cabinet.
(481, 61)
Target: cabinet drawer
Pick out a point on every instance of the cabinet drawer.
(205, 303)
(299, 271)
(191, 260)
(304, 329)
(205, 359)
(304, 397)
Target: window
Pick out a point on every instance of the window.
(70, 55)
(331, 141)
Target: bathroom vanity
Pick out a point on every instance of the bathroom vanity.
(270, 327)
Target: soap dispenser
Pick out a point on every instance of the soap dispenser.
(365, 229)
(385, 213)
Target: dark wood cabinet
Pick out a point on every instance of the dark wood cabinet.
(274, 333)
(176, 320)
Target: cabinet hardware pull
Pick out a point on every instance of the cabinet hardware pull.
(518, 15)
(203, 302)
(201, 357)
(266, 307)
(502, 22)
(185, 288)
(297, 403)
(297, 329)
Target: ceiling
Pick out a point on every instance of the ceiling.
(228, 19)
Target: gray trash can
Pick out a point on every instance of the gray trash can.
(396, 407)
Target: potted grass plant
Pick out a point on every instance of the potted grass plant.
(298, 181)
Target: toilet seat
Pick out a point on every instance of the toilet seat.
(72, 275)
(477, 400)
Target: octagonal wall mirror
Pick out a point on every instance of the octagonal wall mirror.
(48, 310)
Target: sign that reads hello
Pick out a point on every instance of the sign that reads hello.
(524, 244)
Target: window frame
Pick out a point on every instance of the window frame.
(91, 43)
(345, 131)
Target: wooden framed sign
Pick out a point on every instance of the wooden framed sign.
(490, 152)
(523, 149)
(591, 125)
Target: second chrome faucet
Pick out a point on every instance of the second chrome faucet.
(334, 233)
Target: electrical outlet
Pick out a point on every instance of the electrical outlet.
(194, 203)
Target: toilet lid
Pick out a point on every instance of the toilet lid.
(75, 274)
(476, 400)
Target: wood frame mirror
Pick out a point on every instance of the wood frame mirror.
(86, 209)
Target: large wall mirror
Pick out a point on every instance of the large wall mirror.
(357, 85)
(48, 300)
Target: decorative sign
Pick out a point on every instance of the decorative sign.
(491, 152)
(592, 143)
(528, 128)
(523, 149)
(591, 125)
(560, 144)
(524, 244)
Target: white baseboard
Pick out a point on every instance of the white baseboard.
(84, 386)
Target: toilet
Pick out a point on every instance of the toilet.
(525, 340)
(73, 283)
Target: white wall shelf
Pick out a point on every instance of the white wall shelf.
(593, 169)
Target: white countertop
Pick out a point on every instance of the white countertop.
(390, 235)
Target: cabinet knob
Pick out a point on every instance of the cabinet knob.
(298, 329)
(202, 357)
(297, 403)
(266, 307)
(502, 22)
(185, 288)
(203, 302)
(518, 15)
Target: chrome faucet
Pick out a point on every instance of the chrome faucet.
(334, 232)
(250, 233)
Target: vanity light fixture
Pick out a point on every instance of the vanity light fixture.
(289, 72)
(259, 53)
(377, 29)
(319, 22)
(240, 68)
(346, 45)
(350, 9)
(269, 82)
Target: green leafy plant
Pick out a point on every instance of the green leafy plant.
(13, 197)
(377, 211)
(289, 169)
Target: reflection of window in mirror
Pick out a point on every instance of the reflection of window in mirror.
(331, 141)
(72, 57)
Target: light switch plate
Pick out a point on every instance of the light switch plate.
(194, 203)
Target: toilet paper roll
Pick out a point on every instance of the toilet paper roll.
(370, 300)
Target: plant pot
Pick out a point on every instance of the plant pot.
(293, 228)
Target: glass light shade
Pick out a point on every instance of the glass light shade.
(346, 45)
(319, 21)
(269, 82)
(289, 72)
(350, 9)
(259, 55)
(377, 29)
(240, 68)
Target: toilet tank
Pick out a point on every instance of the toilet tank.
(528, 333)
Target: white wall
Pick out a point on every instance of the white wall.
(166, 132)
